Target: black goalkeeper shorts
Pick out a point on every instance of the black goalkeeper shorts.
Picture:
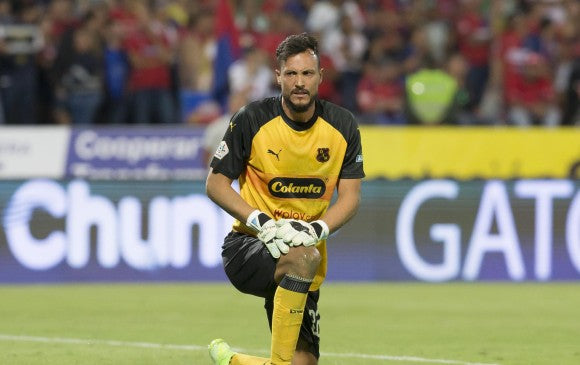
(250, 267)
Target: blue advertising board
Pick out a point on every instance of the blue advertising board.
(431, 230)
(136, 153)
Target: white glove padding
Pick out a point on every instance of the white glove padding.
(277, 247)
(296, 232)
(265, 228)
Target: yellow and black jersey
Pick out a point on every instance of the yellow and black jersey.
(288, 169)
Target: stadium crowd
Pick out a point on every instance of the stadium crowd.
(467, 62)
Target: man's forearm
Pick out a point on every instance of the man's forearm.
(220, 191)
(345, 206)
(340, 213)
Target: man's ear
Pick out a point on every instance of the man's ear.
(321, 76)
(278, 74)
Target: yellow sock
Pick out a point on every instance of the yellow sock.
(289, 302)
(243, 359)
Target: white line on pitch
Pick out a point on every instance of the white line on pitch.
(150, 345)
(402, 358)
(79, 341)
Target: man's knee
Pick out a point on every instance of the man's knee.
(300, 261)
(309, 257)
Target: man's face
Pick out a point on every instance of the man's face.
(299, 78)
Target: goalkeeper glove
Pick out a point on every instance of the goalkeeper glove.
(265, 228)
(297, 232)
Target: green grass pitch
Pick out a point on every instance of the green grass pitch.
(384, 323)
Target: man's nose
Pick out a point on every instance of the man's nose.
(300, 81)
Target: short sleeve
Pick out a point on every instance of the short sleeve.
(352, 167)
(234, 149)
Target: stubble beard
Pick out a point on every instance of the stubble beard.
(296, 108)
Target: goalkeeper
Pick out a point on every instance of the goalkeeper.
(290, 154)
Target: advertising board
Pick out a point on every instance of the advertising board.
(161, 153)
(471, 153)
(430, 230)
(137, 153)
(33, 151)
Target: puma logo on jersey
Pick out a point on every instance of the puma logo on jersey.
(275, 154)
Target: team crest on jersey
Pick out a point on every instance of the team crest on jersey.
(323, 154)
(222, 150)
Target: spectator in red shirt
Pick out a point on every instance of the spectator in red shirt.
(380, 94)
(328, 90)
(473, 41)
(513, 54)
(150, 56)
(534, 100)
(62, 17)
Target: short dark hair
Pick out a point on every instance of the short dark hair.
(295, 44)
